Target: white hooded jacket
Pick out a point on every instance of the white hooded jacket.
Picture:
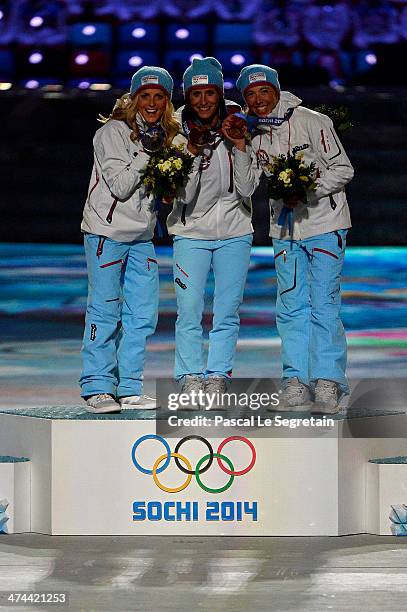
(313, 134)
(117, 205)
(210, 207)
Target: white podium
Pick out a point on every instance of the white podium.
(387, 496)
(87, 477)
(15, 494)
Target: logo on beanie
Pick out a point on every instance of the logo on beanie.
(257, 76)
(149, 79)
(200, 79)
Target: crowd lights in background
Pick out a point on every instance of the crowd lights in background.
(88, 30)
(238, 59)
(139, 32)
(371, 59)
(100, 86)
(90, 59)
(182, 33)
(35, 58)
(36, 22)
(135, 61)
(32, 84)
(81, 59)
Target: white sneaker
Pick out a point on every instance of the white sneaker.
(327, 397)
(102, 403)
(191, 386)
(215, 387)
(295, 396)
(138, 402)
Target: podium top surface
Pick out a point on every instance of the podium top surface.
(79, 413)
(390, 460)
(9, 459)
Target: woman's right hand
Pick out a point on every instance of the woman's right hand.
(234, 129)
(193, 148)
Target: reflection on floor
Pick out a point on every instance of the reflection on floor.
(43, 295)
(210, 574)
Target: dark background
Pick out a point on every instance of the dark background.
(340, 52)
(46, 159)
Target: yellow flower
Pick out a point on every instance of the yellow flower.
(285, 177)
(165, 167)
(178, 164)
(304, 178)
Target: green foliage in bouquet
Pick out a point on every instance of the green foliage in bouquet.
(340, 116)
(289, 176)
(167, 170)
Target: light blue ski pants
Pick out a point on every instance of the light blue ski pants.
(121, 313)
(193, 260)
(308, 307)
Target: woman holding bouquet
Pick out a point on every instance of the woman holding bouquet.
(211, 225)
(309, 237)
(118, 225)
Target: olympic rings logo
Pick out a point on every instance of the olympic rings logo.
(184, 465)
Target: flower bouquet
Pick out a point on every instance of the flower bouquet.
(166, 171)
(290, 177)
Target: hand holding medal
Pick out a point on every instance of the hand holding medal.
(235, 129)
(153, 139)
(200, 135)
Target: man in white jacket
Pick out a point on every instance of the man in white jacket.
(309, 254)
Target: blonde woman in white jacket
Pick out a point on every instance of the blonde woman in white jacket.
(118, 225)
(308, 238)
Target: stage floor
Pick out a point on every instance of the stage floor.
(212, 574)
(43, 296)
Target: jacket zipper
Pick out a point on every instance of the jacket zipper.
(94, 186)
(231, 182)
(323, 141)
(183, 213)
(111, 211)
(222, 184)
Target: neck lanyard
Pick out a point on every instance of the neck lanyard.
(254, 122)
